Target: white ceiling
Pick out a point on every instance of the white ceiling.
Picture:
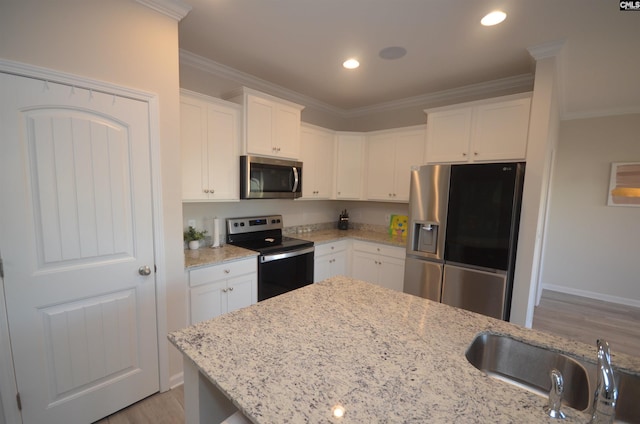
(300, 45)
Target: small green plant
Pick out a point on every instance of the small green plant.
(192, 234)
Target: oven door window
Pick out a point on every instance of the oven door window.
(280, 276)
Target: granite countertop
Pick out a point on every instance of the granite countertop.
(327, 236)
(211, 256)
(384, 356)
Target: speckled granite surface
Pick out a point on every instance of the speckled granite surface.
(210, 256)
(327, 236)
(385, 356)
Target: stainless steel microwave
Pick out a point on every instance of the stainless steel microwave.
(267, 178)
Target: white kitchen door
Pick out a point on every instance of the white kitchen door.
(76, 237)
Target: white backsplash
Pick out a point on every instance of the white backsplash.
(295, 213)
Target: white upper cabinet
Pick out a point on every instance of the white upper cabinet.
(485, 131)
(209, 142)
(390, 155)
(350, 165)
(271, 125)
(317, 154)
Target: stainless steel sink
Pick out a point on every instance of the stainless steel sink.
(528, 366)
(628, 407)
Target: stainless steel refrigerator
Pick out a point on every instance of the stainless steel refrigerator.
(463, 233)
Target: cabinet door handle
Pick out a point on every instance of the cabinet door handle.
(226, 271)
(206, 190)
(224, 290)
(464, 154)
(475, 153)
(230, 288)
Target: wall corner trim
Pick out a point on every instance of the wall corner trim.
(176, 9)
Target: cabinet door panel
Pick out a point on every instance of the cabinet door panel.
(392, 274)
(223, 152)
(241, 292)
(381, 154)
(365, 267)
(322, 268)
(259, 126)
(409, 148)
(500, 131)
(448, 135)
(339, 265)
(287, 134)
(207, 301)
(317, 153)
(350, 166)
(193, 145)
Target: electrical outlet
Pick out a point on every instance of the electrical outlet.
(387, 218)
(191, 223)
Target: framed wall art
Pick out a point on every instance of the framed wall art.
(624, 184)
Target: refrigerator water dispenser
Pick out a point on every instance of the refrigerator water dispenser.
(426, 234)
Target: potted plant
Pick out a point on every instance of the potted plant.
(193, 237)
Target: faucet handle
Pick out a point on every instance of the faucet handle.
(555, 395)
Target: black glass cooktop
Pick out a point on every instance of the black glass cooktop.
(273, 244)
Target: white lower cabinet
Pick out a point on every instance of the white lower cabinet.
(379, 264)
(218, 289)
(330, 260)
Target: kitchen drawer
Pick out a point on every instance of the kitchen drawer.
(379, 249)
(222, 271)
(328, 248)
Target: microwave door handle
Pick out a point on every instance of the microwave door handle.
(296, 179)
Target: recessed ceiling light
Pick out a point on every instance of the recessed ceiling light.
(351, 64)
(391, 53)
(493, 18)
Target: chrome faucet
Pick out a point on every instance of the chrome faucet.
(606, 393)
(555, 395)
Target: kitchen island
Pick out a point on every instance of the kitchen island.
(375, 354)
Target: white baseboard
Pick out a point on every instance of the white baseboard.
(176, 380)
(592, 295)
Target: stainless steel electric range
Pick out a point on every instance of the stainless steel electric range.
(284, 263)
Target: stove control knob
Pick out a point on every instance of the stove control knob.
(242, 224)
(235, 224)
(278, 221)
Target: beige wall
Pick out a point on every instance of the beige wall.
(592, 249)
(124, 43)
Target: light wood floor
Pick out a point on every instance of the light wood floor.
(586, 320)
(161, 408)
(573, 317)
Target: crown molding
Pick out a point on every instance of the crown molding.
(631, 110)
(545, 50)
(218, 69)
(554, 50)
(522, 82)
(485, 89)
(176, 9)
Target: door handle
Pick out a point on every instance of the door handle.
(144, 270)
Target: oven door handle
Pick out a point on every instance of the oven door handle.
(285, 255)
